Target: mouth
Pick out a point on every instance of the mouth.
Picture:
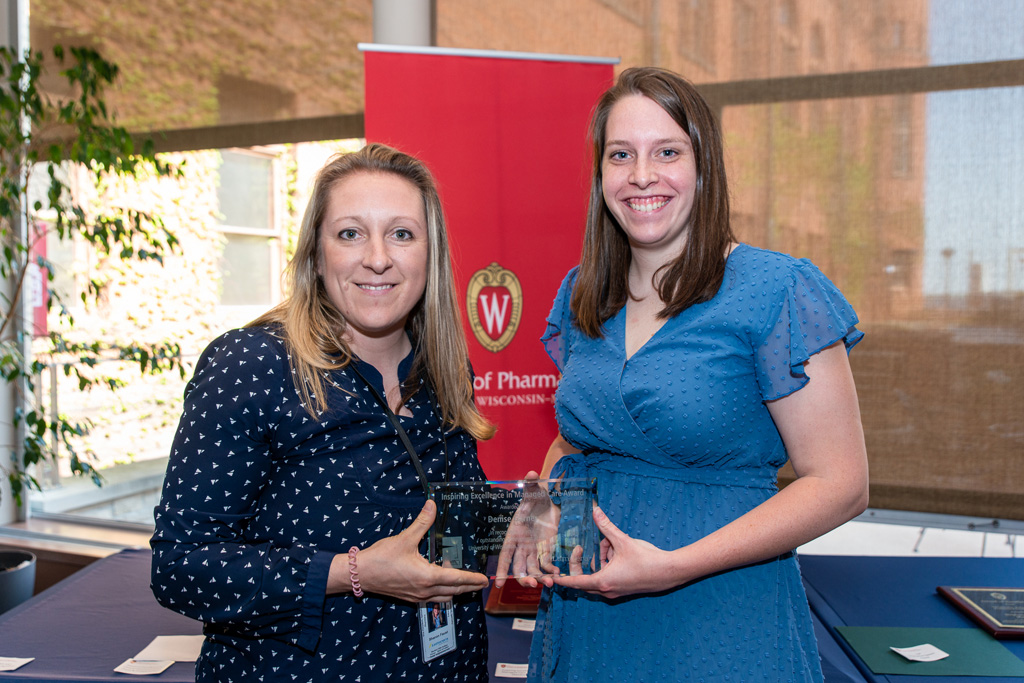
(375, 288)
(646, 204)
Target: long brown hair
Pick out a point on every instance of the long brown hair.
(314, 328)
(696, 274)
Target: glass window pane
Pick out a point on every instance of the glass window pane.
(246, 270)
(129, 437)
(914, 206)
(245, 191)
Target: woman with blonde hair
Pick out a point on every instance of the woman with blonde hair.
(292, 514)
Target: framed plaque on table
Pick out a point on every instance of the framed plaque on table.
(1000, 611)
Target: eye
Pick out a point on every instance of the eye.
(618, 155)
(403, 234)
(668, 153)
(348, 234)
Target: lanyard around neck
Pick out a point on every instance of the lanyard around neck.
(401, 430)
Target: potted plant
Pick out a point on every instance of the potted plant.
(17, 577)
(44, 142)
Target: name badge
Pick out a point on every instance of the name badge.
(437, 628)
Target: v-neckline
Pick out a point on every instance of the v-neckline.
(625, 331)
(625, 316)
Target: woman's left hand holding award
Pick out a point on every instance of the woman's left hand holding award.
(526, 553)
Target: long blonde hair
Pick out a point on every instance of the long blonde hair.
(314, 328)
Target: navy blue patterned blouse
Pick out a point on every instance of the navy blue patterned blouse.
(259, 497)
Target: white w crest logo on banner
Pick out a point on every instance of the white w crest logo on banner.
(493, 316)
(494, 302)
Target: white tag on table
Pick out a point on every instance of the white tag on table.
(143, 668)
(921, 653)
(524, 624)
(12, 663)
(173, 648)
(505, 670)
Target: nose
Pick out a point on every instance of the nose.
(643, 172)
(376, 256)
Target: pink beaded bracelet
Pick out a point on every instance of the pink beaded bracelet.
(356, 589)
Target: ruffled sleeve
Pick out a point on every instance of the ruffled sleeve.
(812, 315)
(555, 337)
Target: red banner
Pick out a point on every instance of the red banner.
(506, 139)
(36, 289)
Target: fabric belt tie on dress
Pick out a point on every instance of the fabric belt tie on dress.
(586, 465)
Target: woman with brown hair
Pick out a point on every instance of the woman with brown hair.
(293, 508)
(692, 368)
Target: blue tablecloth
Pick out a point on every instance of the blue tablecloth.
(83, 627)
(900, 591)
(89, 623)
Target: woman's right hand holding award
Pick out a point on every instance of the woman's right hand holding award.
(532, 537)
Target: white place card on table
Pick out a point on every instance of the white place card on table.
(12, 663)
(921, 653)
(143, 668)
(506, 670)
(524, 624)
(173, 648)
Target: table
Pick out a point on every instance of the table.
(84, 626)
(900, 591)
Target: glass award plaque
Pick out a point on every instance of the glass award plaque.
(524, 528)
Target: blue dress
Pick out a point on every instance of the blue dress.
(681, 443)
(258, 499)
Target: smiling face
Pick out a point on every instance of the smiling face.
(373, 254)
(648, 176)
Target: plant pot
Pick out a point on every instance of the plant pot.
(17, 577)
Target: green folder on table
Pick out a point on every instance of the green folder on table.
(972, 652)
